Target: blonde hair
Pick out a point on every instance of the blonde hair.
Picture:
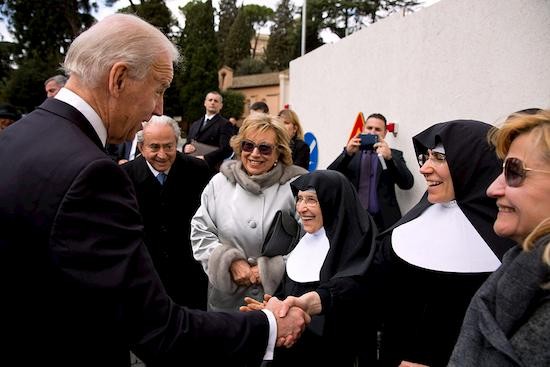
(292, 117)
(538, 124)
(263, 122)
(542, 229)
(116, 38)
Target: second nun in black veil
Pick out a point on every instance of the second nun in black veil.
(432, 261)
(322, 269)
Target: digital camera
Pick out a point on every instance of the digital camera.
(368, 141)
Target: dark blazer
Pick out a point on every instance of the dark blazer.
(78, 284)
(300, 153)
(167, 211)
(396, 173)
(217, 132)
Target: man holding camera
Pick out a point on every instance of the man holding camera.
(374, 169)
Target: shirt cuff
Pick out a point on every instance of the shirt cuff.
(268, 356)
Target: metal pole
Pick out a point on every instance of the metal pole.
(304, 21)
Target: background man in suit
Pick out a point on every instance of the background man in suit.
(375, 172)
(167, 208)
(211, 129)
(78, 284)
(54, 84)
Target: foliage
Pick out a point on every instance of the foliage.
(233, 104)
(237, 46)
(155, 12)
(199, 73)
(250, 66)
(227, 14)
(257, 16)
(282, 45)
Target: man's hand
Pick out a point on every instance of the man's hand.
(189, 148)
(383, 148)
(290, 326)
(353, 145)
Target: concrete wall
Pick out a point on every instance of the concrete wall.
(477, 59)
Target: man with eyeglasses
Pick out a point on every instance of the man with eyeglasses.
(167, 200)
(374, 170)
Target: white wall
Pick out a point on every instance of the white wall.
(475, 59)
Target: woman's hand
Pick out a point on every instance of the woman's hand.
(241, 272)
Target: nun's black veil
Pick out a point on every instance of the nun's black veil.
(473, 165)
(349, 228)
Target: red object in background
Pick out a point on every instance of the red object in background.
(287, 106)
(392, 128)
(357, 126)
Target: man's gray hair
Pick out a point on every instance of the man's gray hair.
(117, 38)
(160, 120)
(58, 79)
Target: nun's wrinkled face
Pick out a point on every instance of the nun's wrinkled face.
(309, 210)
(435, 169)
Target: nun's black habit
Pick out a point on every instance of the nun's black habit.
(431, 262)
(350, 231)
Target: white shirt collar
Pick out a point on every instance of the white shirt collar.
(154, 171)
(73, 99)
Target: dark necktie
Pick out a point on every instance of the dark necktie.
(364, 178)
(161, 177)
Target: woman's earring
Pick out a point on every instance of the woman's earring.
(275, 164)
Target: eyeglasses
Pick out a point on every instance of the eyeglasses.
(435, 157)
(308, 201)
(249, 146)
(515, 171)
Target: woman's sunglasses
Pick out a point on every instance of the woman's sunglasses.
(264, 149)
(515, 171)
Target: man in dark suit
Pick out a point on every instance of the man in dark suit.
(375, 171)
(78, 284)
(212, 129)
(167, 208)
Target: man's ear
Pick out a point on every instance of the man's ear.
(118, 77)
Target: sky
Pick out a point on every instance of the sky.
(175, 4)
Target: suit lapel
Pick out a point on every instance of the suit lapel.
(70, 113)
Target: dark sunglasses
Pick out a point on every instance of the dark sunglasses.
(264, 149)
(515, 171)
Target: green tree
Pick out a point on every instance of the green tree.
(284, 38)
(237, 46)
(199, 73)
(155, 12)
(233, 104)
(257, 16)
(227, 14)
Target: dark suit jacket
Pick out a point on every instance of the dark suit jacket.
(217, 132)
(167, 211)
(78, 285)
(396, 173)
(300, 153)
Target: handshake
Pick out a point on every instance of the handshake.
(293, 314)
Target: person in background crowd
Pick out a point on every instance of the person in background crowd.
(431, 262)
(300, 150)
(213, 130)
(54, 84)
(167, 201)
(8, 115)
(237, 208)
(259, 107)
(374, 171)
(508, 320)
(337, 247)
(78, 284)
